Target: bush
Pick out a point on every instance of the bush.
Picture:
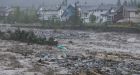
(52, 41)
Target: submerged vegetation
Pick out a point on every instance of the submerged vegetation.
(28, 37)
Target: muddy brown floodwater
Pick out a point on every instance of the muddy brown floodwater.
(96, 53)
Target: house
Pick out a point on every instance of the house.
(109, 15)
(122, 13)
(48, 13)
(52, 12)
(5, 11)
(103, 10)
(61, 13)
(127, 13)
(118, 15)
(130, 14)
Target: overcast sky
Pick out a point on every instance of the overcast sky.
(49, 2)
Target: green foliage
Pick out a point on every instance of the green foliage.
(92, 18)
(54, 20)
(138, 5)
(101, 20)
(23, 16)
(76, 18)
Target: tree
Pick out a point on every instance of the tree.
(32, 15)
(75, 19)
(17, 13)
(77, 16)
(138, 5)
(92, 18)
(23, 16)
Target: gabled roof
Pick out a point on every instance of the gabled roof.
(69, 11)
(86, 8)
(111, 11)
(49, 8)
(52, 8)
(130, 8)
(3, 9)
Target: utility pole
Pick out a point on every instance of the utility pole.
(129, 18)
(43, 11)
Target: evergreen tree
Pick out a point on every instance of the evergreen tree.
(92, 18)
(76, 19)
(23, 16)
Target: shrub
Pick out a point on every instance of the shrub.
(28, 37)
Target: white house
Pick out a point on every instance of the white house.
(49, 13)
(109, 15)
(101, 10)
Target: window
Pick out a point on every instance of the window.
(101, 10)
(137, 12)
(86, 14)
